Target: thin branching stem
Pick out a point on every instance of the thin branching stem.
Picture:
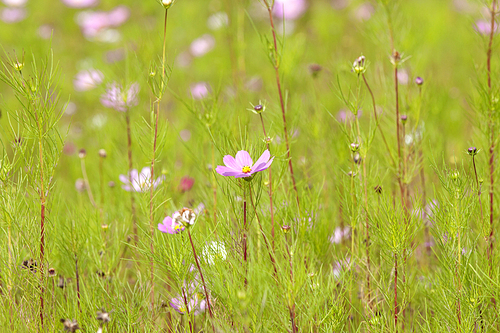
(130, 166)
(270, 181)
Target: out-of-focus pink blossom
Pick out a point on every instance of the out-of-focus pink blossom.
(289, 9)
(403, 76)
(87, 79)
(185, 135)
(118, 98)
(80, 3)
(186, 184)
(93, 23)
(364, 11)
(483, 27)
(13, 14)
(45, 31)
(346, 115)
(15, 3)
(200, 90)
(202, 45)
(340, 234)
(141, 182)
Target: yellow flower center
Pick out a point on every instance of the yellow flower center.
(246, 169)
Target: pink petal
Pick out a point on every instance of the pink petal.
(263, 167)
(225, 171)
(243, 158)
(230, 162)
(263, 159)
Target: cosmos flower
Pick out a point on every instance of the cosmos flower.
(141, 182)
(186, 184)
(15, 3)
(242, 166)
(202, 45)
(170, 226)
(12, 14)
(94, 23)
(483, 27)
(185, 217)
(80, 3)
(339, 234)
(200, 90)
(118, 99)
(289, 9)
(87, 79)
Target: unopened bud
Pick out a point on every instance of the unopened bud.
(472, 151)
(167, 3)
(286, 228)
(82, 153)
(354, 147)
(419, 81)
(358, 66)
(404, 118)
(357, 158)
(378, 189)
(102, 153)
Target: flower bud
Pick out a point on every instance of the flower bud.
(82, 153)
(111, 184)
(472, 151)
(378, 189)
(102, 153)
(354, 147)
(357, 158)
(454, 175)
(358, 66)
(18, 66)
(167, 3)
(286, 228)
(419, 81)
(404, 118)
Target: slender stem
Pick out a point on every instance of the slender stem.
(130, 166)
(377, 120)
(244, 226)
(87, 183)
(458, 262)
(492, 132)
(270, 181)
(396, 291)
(424, 203)
(187, 309)
(214, 186)
(101, 184)
(77, 275)
(478, 188)
(282, 102)
(292, 307)
(42, 217)
(201, 275)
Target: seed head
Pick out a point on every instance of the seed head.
(102, 153)
(70, 325)
(82, 153)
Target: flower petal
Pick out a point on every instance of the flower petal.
(124, 179)
(230, 162)
(263, 167)
(262, 160)
(243, 159)
(225, 171)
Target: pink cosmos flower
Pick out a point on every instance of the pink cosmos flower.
(483, 27)
(170, 226)
(12, 14)
(141, 182)
(93, 23)
(289, 9)
(15, 3)
(80, 3)
(87, 79)
(200, 90)
(202, 45)
(242, 166)
(186, 184)
(118, 99)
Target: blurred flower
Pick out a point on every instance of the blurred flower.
(141, 182)
(93, 23)
(217, 21)
(243, 166)
(103, 316)
(483, 27)
(70, 325)
(80, 185)
(200, 90)
(185, 217)
(214, 251)
(87, 79)
(419, 81)
(170, 226)
(15, 3)
(180, 306)
(186, 184)
(80, 3)
(202, 45)
(254, 83)
(364, 11)
(346, 115)
(339, 4)
(403, 76)
(339, 266)
(118, 99)
(185, 135)
(289, 9)
(199, 209)
(184, 59)
(339, 234)
(12, 14)
(45, 31)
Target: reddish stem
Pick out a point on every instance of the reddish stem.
(129, 153)
(396, 291)
(270, 181)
